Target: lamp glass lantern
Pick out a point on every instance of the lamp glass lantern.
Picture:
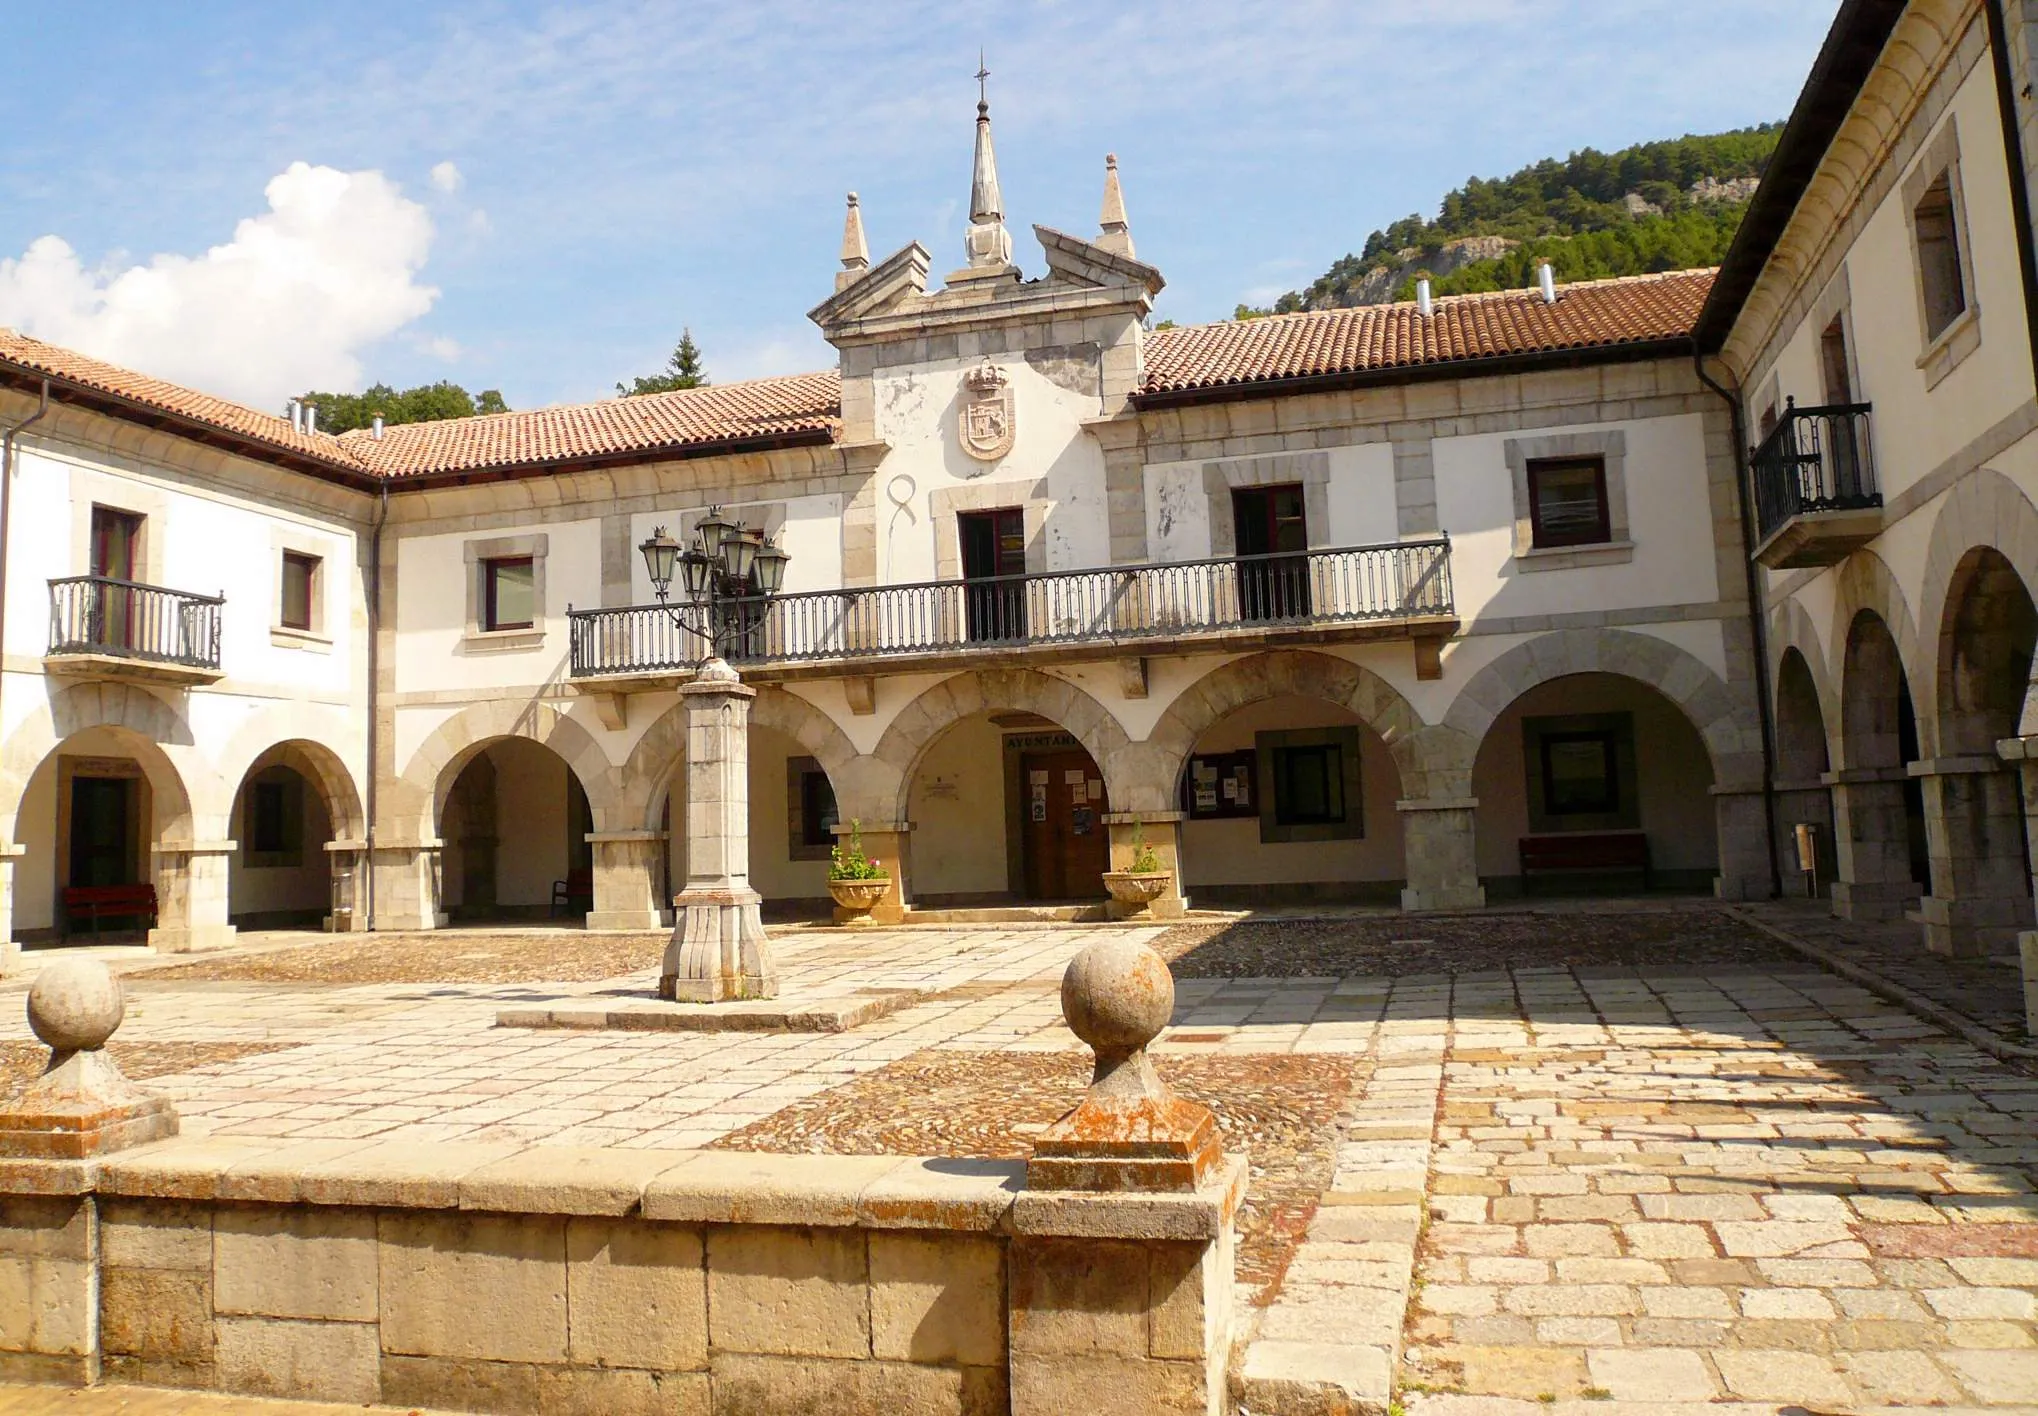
(713, 529)
(700, 569)
(770, 567)
(661, 555)
(739, 554)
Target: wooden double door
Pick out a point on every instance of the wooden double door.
(1065, 846)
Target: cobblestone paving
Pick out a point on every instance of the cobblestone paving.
(1755, 1186)
(450, 956)
(23, 1062)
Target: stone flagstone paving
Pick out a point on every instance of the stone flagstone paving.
(1659, 1160)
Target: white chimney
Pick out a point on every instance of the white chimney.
(311, 417)
(290, 412)
(1548, 277)
(375, 428)
(1424, 306)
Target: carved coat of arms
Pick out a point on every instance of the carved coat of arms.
(987, 413)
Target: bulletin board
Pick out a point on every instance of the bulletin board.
(1221, 785)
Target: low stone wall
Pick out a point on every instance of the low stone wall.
(557, 1280)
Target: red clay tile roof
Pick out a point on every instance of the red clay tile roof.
(1232, 354)
(720, 413)
(1383, 338)
(159, 396)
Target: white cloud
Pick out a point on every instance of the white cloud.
(286, 305)
(446, 177)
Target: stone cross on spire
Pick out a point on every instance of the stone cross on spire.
(988, 243)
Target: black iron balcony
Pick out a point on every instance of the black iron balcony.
(124, 629)
(1401, 590)
(1816, 497)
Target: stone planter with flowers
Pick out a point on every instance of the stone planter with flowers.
(857, 883)
(1134, 889)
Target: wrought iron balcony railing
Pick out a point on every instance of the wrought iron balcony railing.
(95, 614)
(1815, 459)
(1408, 580)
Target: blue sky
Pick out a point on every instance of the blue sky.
(537, 197)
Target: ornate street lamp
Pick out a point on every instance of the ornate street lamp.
(718, 949)
(722, 575)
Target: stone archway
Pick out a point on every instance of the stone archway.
(966, 695)
(271, 733)
(1878, 816)
(184, 851)
(647, 774)
(296, 825)
(1803, 758)
(1728, 730)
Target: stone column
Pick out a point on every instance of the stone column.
(406, 884)
(191, 896)
(10, 952)
(1440, 848)
(626, 870)
(891, 847)
(718, 949)
(1871, 844)
(1804, 801)
(1974, 829)
(2023, 752)
(1743, 824)
(1162, 833)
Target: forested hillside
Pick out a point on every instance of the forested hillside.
(1670, 205)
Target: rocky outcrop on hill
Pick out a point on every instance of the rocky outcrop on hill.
(1377, 285)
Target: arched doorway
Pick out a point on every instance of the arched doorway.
(1290, 799)
(1971, 801)
(1802, 761)
(295, 799)
(1878, 807)
(1007, 805)
(89, 817)
(514, 819)
(1594, 783)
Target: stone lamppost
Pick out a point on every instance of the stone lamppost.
(718, 949)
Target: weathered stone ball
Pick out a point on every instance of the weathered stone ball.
(1117, 995)
(75, 1004)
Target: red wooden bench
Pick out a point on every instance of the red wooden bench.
(100, 902)
(1585, 852)
(574, 894)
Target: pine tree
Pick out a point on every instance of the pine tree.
(682, 370)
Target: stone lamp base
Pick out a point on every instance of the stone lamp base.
(82, 1106)
(718, 950)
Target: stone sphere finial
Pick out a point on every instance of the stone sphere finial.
(75, 1005)
(1117, 995)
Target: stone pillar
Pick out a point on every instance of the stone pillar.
(1871, 844)
(1121, 1269)
(1440, 848)
(10, 952)
(1742, 821)
(1162, 833)
(191, 896)
(344, 859)
(406, 884)
(718, 949)
(626, 871)
(892, 848)
(1974, 829)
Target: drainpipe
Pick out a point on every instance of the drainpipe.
(2013, 152)
(7, 497)
(1755, 622)
(374, 681)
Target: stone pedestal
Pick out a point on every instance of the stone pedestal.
(1871, 844)
(10, 952)
(891, 847)
(1742, 819)
(191, 896)
(626, 871)
(1162, 833)
(1974, 829)
(406, 885)
(718, 949)
(1441, 845)
(81, 1106)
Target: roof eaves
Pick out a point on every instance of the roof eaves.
(1849, 55)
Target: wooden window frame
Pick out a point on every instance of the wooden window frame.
(313, 568)
(1542, 538)
(490, 568)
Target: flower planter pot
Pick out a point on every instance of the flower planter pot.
(855, 899)
(1134, 891)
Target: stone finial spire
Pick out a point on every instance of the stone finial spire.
(1115, 232)
(855, 250)
(988, 243)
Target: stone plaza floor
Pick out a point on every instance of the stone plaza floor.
(1636, 1153)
